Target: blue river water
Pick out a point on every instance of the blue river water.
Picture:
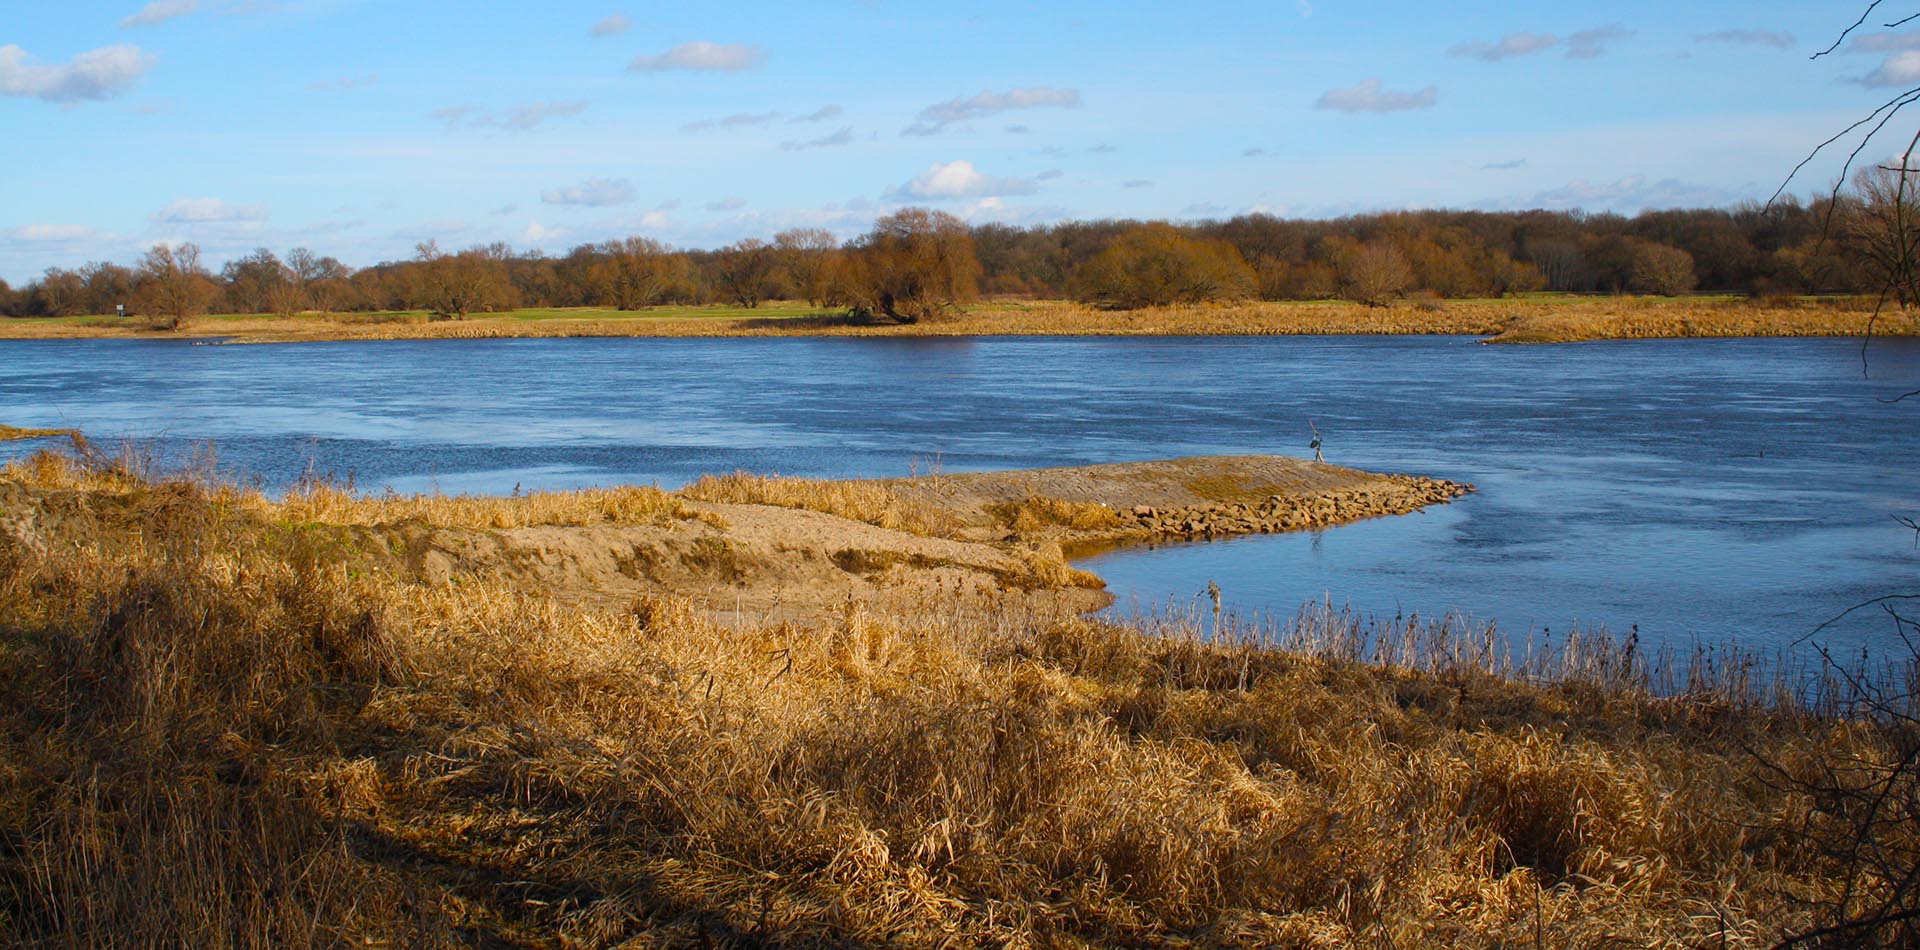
(1705, 490)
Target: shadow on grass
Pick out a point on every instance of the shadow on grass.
(817, 321)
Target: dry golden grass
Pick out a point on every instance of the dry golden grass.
(318, 501)
(1036, 512)
(1535, 318)
(214, 734)
(867, 501)
(622, 505)
(14, 433)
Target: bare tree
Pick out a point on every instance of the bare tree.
(1156, 264)
(1863, 812)
(324, 282)
(58, 293)
(260, 283)
(108, 285)
(744, 272)
(1374, 274)
(635, 273)
(174, 287)
(806, 257)
(1659, 269)
(450, 286)
(916, 264)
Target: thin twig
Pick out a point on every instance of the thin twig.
(1844, 33)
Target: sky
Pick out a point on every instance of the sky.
(360, 128)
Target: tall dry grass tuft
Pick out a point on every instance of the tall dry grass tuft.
(1036, 512)
(870, 502)
(164, 709)
(217, 733)
(324, 502)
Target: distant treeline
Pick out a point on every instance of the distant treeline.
(916, 263)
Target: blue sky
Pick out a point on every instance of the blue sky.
(359, 128)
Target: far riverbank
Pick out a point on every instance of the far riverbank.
(1543, 318)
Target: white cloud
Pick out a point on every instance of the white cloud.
(1899, 69)
(656, 220)
(160, 11)
(1626, 195)
(505, 209)
(727, 204)
(701, 56)
(206, 211)
(739, 120)
(95, 74)
(844, 136)
(821, 114)
(1592, 44)
(1771, 38)
(454, 116)
(1367, 96)
(613, 25)
(525, 116)
(537, 233)
(52, 232)
(957, 179)
(592, 193)
(1884, 42)
(1513, 44)
(520, 118)
(938, 116)
(1049, 175)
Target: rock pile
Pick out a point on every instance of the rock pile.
(1388, 495)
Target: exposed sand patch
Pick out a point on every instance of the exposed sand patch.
(761, 562)
(1007, 534)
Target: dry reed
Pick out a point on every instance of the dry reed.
(866, 501)
(216, 734)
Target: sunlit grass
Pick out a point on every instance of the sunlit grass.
(1526, 318)
(219, 734)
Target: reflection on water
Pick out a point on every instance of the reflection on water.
(1698, 488)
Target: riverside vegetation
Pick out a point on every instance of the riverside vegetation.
(918, 265)
(239, 721)
(1538, 318)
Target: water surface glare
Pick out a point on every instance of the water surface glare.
(1706, 489)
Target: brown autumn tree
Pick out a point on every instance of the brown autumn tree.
(174, 287)
(916, 264)
(58, 293)
(1660, 269)
(1157, 264)
(1882, 226)
(806, 258)
(261, 283)
(107, 285)
(325, 283)
(1374, 273)
(744, 272)
(450, 286)
(636, 273)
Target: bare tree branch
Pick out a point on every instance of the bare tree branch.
(1842, 38)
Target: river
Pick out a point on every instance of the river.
(1697, 489)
